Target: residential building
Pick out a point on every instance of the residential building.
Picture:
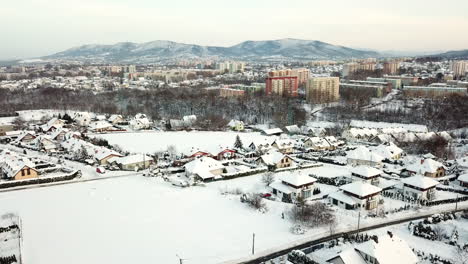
(433, 91)
(396, 83)
(356, 195)
(230, 92)
(463, 180)
(293, 186)
(352, 67)
(459, 68)
(363, 156)
(426, 167)
(374, 89)
(282, 85)
(275, 160)
(204, 168)
(366, 174)
(419, 187)
(230, 66)
(384, 249)
(391, 67)
(283, 145)
(132, 162)
(236, 125)
(323, 89)
(15, 167)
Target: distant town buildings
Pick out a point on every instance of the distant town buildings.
(282, 84)
(459, 68)
(230, 92)
(323, 89)
(230, 66)
(352, 67)
(433, 90)
(391, 67)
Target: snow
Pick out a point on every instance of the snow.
(420, 181)
(298, 179)
(366, 171)
(185, 142)
(361, 189)
(388, 250)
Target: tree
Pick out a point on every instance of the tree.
(172, 150)
(268, 178)
(19, 123)
(82, 153)
(238, 144)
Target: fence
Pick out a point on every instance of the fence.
(66, 177)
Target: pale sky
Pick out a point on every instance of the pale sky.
(30, 28)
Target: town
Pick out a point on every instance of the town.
(236, 133)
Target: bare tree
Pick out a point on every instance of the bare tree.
(268, 178)
(460, 255)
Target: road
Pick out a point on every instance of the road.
(265, 256)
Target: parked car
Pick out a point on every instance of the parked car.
(100, 170)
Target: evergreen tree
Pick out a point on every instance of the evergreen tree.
(238, 144)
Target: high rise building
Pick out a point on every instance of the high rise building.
(352, 67)
(391, 67)
(459, 68)
(323, 89)
(282, 85)
(230, 66)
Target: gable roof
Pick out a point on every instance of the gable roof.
(349, 256)
(360, 188)
(428, 165)
(14, 164)
(298, 179)
(388, 250)
(273, 131)
(203, 165)
(363, 153)
(366, 171)
(272, 157)
(420, 181)
(463, 177)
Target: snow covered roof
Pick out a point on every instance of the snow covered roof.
(234, 123)
(340, 196)
(293, 129)
(273, 131)
(112, 118)
(137, 158)
(388, 250)
(463, 177)
(282, 187)
(99, 125)
(381, 125)
(387, 150)
(102, 153)
(203, 165)
(420, 181)
(298, 179)
(360, 189)
(363, 153)
(272, 157)
(349, 256)
(366, 171)
(14, 163)
(426, 165)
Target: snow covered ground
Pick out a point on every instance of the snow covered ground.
(185, 142)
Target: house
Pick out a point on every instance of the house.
(261, 146)
(275, 160)
(199, 154)
(272, 132)
(100, 126)
(463, 180)
(313, 131)
(419, 187)
(26, 137)
(225, 153)
(292, 186)
(293, 130)
(334, 142)
(357, 195)
(132, 162)
(426, 167)
(18, 168)
(384, 249)
(189, 120)
(317, 144)
(82, 118)
(363, 156)
(103, 155)
(353, 134)
(388, 151)
(141, 121)
(283, 145)
(52, 125)
(45, 143)
(366, 174)
(236, 125)
(116, 119)
(204, 168)
(59, 134)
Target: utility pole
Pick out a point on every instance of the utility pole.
(456, 203)
(253, 244)
(358, 222)
(181, 260)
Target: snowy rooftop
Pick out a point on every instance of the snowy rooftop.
(360, 189)
(349, 256)
(272, 131)
(388, 250)
(420, 181)
(381, 125)
(137, 158)
(297, 179)
(272, 157)
(363, 153)
(366, 171)
(340, 196)
(463, 177)
(426, 165)
(203, 165)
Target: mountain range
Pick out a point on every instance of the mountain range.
(162, 50)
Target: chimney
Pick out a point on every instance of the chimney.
(390, 234)
(422, 161)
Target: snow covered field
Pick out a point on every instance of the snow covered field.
(139, 219)
(185, 142)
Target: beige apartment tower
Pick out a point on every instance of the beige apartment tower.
(323, 90)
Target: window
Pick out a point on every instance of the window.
(29, 171)
(22, 172)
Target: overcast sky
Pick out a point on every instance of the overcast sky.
(32, 28)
